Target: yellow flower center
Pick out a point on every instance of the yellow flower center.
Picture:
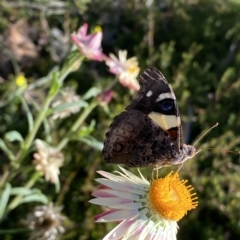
(133, 70)
(171, 198)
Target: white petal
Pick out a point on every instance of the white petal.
(111, 184)
(136, 236)
(109, 202)
(159, 234)
(117, 203)
(172, 231)
(138, 224)
(133, 237)
(111, 176)
(146, 230)
(132, 205)
(125, 195)
(118, 231)
(143, 177)
(128, 176)
(124, 186)
(134, 177)
(118, 216)
(167, 230)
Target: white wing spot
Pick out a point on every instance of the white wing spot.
(164, 95)
(149, 93)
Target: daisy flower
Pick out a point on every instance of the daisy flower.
(125, 69)
(89, 45)
(146, 210)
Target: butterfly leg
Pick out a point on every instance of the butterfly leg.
(179, 167)
(155, 169)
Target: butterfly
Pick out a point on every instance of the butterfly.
(148, 132)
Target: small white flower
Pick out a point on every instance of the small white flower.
(67, 95)
(48, 160)
(125, 69)
(145, 210)
(45, 222)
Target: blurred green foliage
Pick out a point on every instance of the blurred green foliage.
(195, 44)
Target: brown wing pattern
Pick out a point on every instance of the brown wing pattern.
(136, 141)
(149, 132)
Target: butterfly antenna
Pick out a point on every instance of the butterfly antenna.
(234, 152)
(216, 124)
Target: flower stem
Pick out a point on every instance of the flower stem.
(111, 85)
(72, 65)
(65, 188)
(31, 135)
(77, 124)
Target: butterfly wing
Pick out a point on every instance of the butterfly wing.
(157, 100)
(136, 141)
(148, 132)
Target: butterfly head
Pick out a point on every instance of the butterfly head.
(188, 151)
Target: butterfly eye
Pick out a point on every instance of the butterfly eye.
(117, 147)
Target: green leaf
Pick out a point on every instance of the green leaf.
(13, 136)
(38, 197)
(28, 195)
(43, 81)
(4, 199)
(92, 92)
(21, 191)
(87, 130)
(55, 86)
(65, 106)
(6, 150)
(92, 142)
